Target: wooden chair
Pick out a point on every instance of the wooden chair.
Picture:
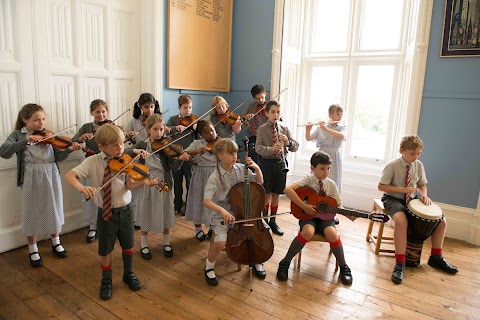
(239, 266)
(316, 237)
(379, 238)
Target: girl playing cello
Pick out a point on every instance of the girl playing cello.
(216, 198)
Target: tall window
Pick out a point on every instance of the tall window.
(358, 53)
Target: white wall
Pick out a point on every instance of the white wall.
(62, 54)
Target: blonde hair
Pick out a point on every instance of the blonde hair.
(334, 108)
(152, 119)
(215, 101)
(411, 142)
(109, 134)
(224, 146)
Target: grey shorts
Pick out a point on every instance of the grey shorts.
(119, 226)
(393, 204)
(318, 224)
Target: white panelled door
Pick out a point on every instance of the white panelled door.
(62, 54)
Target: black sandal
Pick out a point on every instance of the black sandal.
(146, 255)
(92, 238)
(201, 236)
(167, 253)
(60, 254)
(36, 263)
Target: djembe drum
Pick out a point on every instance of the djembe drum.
(422, 222)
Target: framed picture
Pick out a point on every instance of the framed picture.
(460, 28)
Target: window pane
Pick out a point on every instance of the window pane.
(325, 89)
(372, 110)
(381, 25)
(330, 27)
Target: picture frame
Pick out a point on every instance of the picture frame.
(460, 37)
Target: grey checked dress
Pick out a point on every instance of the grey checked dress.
(42, 197)
(332, 146)
(155, 210)
(207, 163)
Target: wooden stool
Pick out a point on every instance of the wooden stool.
(239, 266)
(377, 240)
(321, 238)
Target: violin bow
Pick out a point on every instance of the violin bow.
(258, 218)
(256, 113)
(171, 142)
(51, 136)
(241, 103)
(120, 115)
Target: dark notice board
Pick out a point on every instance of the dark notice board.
(199, 44)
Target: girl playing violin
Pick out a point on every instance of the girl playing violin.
(224, 130)
(135, 130)
(99, 112)
(145, 106)
(37, 168)
(155, 209)
(114, 219)
(206, 160)
(179, 123)
(227, 174)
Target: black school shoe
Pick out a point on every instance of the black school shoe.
(397, 274)
(35, 263)
(275, 228)
(442, 264)
(131, 279)
(210, 281)
(106, 289)
(346, 275)
(61, 254)
(261, 274)
(282, 273)
(92, 238)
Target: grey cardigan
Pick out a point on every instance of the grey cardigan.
(16, 143)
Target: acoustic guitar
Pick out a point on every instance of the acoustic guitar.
(327, 208)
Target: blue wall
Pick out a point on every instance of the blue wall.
(450, 107)
(449, 122)
(251, 61)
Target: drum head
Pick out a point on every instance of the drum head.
(431, 212)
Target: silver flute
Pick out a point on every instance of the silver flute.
(281, 161)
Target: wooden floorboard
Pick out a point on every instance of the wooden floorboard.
(175, 288)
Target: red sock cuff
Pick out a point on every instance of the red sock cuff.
(129, 251)
(400, 257)
(336, 244)
(106, 268)
(436, 251)
(301, 239)
(274, 208)
(267, 206)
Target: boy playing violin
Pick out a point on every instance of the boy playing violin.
(115, 219)
(256, 120)
(318, 181)
(175, 123)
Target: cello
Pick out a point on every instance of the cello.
(248, 242)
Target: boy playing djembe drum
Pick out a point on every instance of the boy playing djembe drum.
(400, 179)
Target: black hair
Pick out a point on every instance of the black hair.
(256, 89)
(320, 157)
(202, 124)
(144, 98)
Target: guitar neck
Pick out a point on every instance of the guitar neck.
(346, 212)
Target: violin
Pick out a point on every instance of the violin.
(210, 145)
(59, 142)
(229, 117)
(248, 243)
(136, 171)
(188, 120)
(172, 150)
